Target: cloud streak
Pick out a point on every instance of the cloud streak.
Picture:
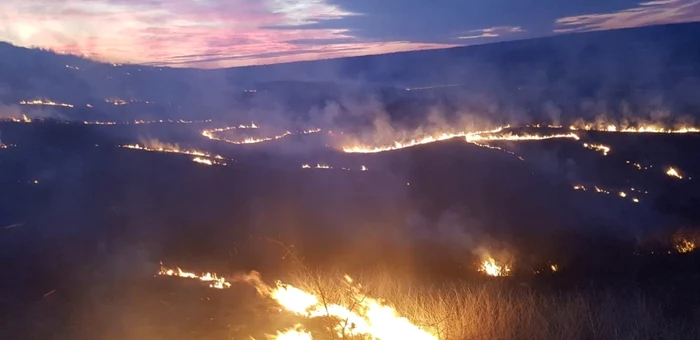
(492, 32)
(224, 33)
(646, 13)
(154, 31)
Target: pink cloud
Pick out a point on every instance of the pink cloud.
(199, 34)
(646, 13)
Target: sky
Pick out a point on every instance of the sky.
(227, 33)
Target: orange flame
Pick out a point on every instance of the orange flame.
(45, 102)
(598, 147)
(369, 317)
(492, 268)
(214, 280)
(673, 173)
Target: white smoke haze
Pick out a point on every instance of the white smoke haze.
(14, 111)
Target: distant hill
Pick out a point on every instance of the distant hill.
(651, 64)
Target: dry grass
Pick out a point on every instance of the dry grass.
(457, 311)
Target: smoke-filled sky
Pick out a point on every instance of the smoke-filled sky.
(223, 33)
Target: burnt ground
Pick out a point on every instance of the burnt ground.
(88, 236)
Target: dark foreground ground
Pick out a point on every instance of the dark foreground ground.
(88, 223)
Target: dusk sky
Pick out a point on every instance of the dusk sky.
(224, 33)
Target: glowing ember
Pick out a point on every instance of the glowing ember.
(305, 166)
(214, 280)
(635, 200)
(554, 268)
(622, 194)
(598, 147)
(45, 102)
(367, 317)
(673, 173)
(579, 187)
(363, 168)
(685, 246)
(158, 147)
(602, 191)
(492, 268)
(323, 166)
(116, 101)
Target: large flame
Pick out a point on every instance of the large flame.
(492, 268)
(366, 317)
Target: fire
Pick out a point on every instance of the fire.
(685, 246)
(602, 191)
(526, 137)
(623, 194)
(45, 102)
(366, 317)
(579, 187)
(310, 131)
(202, 160)
(214, 280)
(296, 333)
(673, 173)
(254, 140)
(598, 147)
(554, 268)
(625, 127)
(492, 268)
(116, 101)
(470, 137)
(305, 166)
(414, 142)
(363, 168)
(323, 166)
(23, 119)
(170, 149)
(210, 134)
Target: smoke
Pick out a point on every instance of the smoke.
(17, 112)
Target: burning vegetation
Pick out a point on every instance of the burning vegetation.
(672, 172)
(212, 134)
(155, 146)
(44, 102)
(491, 267)
(598, 147)
(362, 317)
